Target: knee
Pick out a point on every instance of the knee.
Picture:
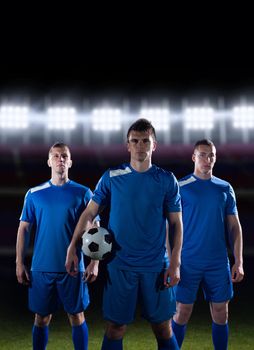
(42, 321)
(219, 313)
(76, 319)
(115, 331)
(162, 330)
(183, 313)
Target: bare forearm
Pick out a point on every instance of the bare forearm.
(84, 223)
(23, 238)
(175, 230)
(237, 271)
(177, 243)
(238, 247)
(236, 238)
(176, 251)
(20, 250)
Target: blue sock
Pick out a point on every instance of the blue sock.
(168, 344)
(110, 344)
(80, 336)
(179, 331)
(40, 337)
(220, 336)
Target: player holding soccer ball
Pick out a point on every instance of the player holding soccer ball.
(97, 243)
(54, 207)
(141, 197)
(209, 205)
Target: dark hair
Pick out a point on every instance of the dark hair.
(59, 145)
(142, 125)
(205, 142)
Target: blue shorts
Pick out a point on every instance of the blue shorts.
(124, 289)
(215, 281)
(50, 290)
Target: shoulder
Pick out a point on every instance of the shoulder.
(163, 172)
(40, 187)
(165, 177)
(78, 188)
(224, 186)
(77, 185)
(219, 182)
(122, 169)
(31, 194)
(110, 174)
(187, 180)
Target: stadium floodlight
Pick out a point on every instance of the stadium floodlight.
(61, 118)
(243, 117)
(106, 119)
(13, 117)
(160, 117)
(199, 118)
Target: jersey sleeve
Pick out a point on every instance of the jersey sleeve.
(102, 191)
(88, 197)
(231, 208)
(28, 212)
(172, 201)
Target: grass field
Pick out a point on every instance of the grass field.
(15, 331)
(16, 334)
(16, 322)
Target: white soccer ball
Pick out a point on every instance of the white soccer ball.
(97, 243)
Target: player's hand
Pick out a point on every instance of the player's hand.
(91, 271)
(171, 276)
(22, 274)
(237, 273)
(71, 262)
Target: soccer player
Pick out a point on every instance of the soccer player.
(209, 205)
(54, 208)
(141, 197)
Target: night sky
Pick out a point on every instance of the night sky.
(177, 78)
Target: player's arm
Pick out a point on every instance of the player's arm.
(92, 268)
(236, 241)
(176, 232)
(85, 222)
(23, 239)
(168, 247)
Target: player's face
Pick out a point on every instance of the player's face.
(141, 145)
(60, 160)
(204, 158)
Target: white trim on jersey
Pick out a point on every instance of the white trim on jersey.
(42, 187)
(188, 181)
(119, 172)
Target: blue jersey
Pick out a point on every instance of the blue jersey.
(206, 204)
(55, 210)
(138, 204)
